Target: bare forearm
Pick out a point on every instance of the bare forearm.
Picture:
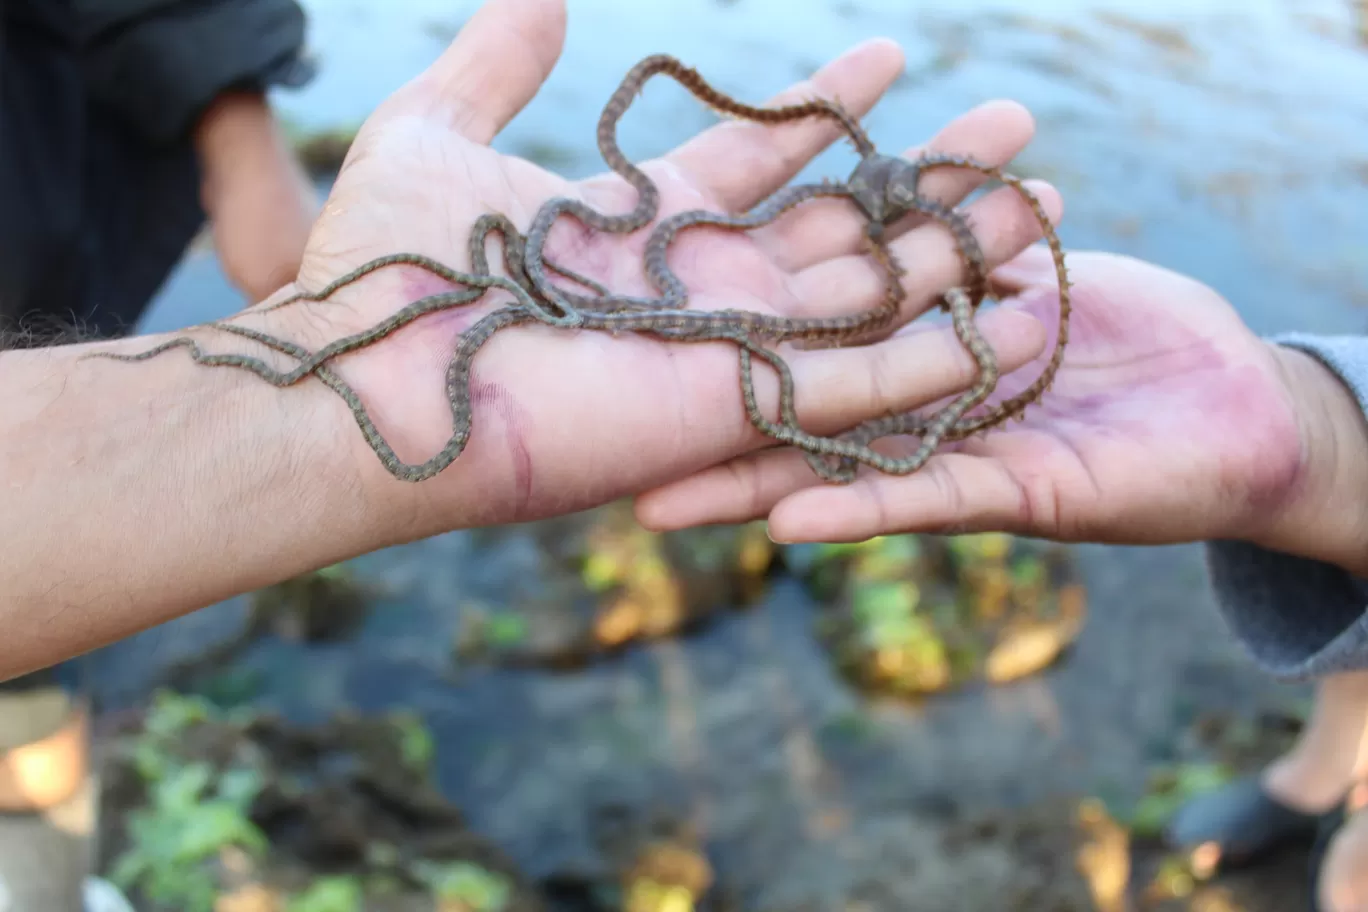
(260, 202)
(134, 493)
(236, 129)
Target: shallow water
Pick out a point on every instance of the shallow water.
(1230, 143)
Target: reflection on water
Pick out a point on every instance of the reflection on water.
(1230, 143)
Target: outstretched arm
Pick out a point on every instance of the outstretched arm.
(136, 492)
(1170, 422)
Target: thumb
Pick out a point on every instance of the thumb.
(493, 68)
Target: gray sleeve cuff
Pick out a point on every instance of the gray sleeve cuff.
(1298, 618)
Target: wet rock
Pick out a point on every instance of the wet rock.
(650, 858)
(323, 606)
(601, 582)
(915, 615)
(235, 811)
(328, 604)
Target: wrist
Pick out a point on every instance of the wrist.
(312, 417)
(400, 381)
(1326, 515)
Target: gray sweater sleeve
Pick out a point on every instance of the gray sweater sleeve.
(1298, 618)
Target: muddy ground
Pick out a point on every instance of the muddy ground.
(802, 789)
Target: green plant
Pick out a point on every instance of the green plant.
(415, 741)
(886, 613)
(505, 628)
(328, 894)
(1170, 789)
(186, 824)
(467, 883)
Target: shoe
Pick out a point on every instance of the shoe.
(1330, 825)
(1242, 819)
(1325, 833)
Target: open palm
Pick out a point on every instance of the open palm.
(1169, 421)
(564, 420)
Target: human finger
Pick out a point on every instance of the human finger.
(994, 133)
(496, 64)
(836, 389)
(739, 163)
(1002, 223)
(954, 493)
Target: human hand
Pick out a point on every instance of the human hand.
(1170, 421)
(260, 202)
(566, 420)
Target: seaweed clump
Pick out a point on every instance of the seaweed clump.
(208, 810)
(915, 615)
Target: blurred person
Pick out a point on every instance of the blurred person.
(123, 126)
